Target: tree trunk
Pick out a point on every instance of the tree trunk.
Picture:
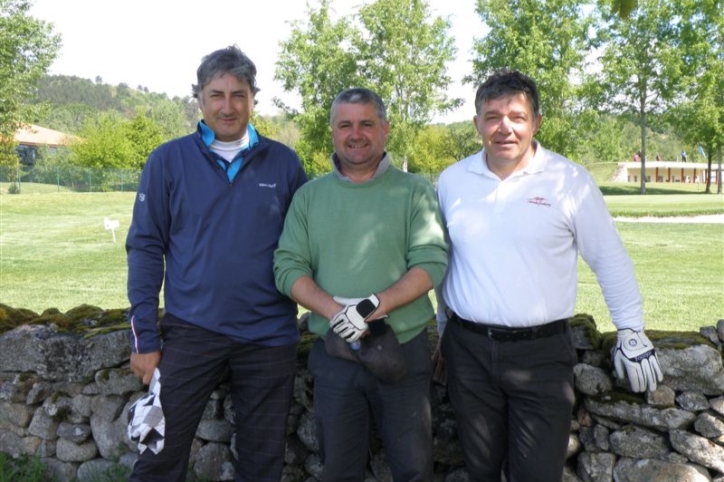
(718, 173)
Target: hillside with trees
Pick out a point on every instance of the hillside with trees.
(616, 78)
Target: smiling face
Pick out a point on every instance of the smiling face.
(226, 104)
(507, 126)
(359, 137)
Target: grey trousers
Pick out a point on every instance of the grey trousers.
(512, 401)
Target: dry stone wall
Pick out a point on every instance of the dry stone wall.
(64, 398)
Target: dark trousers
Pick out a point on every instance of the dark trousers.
(512, 402)
(348, 399)
(262, 378)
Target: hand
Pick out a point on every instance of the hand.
(635, 354)
(351, 323)
(144, 364)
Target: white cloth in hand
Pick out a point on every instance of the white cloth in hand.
(146, 422)
(635, 357)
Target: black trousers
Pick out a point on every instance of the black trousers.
(262, 379)
(512, 401)
(349, 402)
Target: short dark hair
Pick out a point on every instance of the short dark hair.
(229, 60)
(505, 83)
(359, 95)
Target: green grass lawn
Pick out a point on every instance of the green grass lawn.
(55, 253)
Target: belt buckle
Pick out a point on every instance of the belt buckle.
(489, 333)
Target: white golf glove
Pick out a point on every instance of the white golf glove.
(350, 323)
(635, 354)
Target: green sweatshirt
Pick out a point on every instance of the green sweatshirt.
(359, 239)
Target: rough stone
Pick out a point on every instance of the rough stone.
(117, 381)
(594, 439)
(692, 401)
(17, 387)
(43, 425)
(647, 470)
(213, 460)
(717, 404)
(709, 425)
(662, 419)
(16, 413)
(459, 475)
(74, 432)
(638, 443)
(314, 467)
(31, 445)
(574, 445)
(696, 368)
(55, 356)
(591, 380)
(214, 430)
(101, 469)
(663, 396)
(710, 333)
(39, 392)
(109, 430)
(10, 443)
(595, 467)
(67, 451)
(307, 432)
(380, 468)
(60, 471)
(698, 449)
(295, 452)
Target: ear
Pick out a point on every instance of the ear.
(536, 123)
(477, 126)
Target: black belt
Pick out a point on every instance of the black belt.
(504, 333)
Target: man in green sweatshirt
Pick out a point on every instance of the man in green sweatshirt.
(365, 242)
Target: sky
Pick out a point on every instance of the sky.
(159, 43)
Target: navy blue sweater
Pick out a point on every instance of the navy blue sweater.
(211, 242)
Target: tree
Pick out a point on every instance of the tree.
(404, 55)
(638, 68)
(103, 144)
(396, 51)
(428, 155)
(144, 134)
(27, 48)
(546, 40)
(461, 140)
(699, 113)
(317, 63)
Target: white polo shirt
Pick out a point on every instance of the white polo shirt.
(514, 244)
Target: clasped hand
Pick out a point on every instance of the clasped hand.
(351, 323)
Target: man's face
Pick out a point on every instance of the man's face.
(226, 104)
(507, 126)
(359, 136)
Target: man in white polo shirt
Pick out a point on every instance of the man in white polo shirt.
(517, 216)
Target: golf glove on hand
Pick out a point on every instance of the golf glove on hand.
(635, 356)
(350, 323)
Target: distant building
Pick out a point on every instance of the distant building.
(667, 171)
(30, 137)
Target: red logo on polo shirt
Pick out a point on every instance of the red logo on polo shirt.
(539, 201)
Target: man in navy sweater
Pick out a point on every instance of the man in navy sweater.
(206, 221)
